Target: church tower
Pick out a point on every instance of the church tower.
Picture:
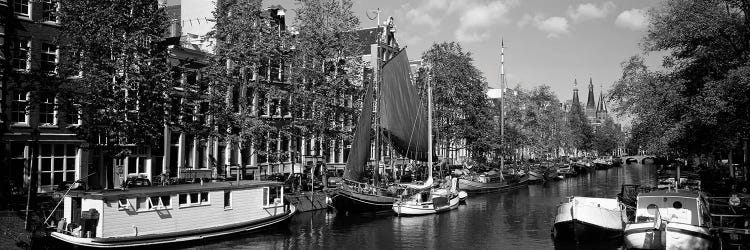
(601, 109)
(575, 92)
(591, 103)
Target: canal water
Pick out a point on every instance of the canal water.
(518, 219)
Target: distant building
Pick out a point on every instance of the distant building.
(596, 114)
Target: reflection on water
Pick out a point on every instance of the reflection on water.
(518, 219)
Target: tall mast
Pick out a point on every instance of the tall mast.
(376, 168)
(429, 125)
(502, 105)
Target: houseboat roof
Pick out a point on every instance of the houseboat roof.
(172, 189)
(672, 193)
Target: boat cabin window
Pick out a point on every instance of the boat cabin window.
(194, 199)
(227, 199)
(141, 203)
(271, 196)
(159, 202)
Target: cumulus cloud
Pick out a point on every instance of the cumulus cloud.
(589, 11)
(475, 20)
(634, 19)
(554, 26)
(421, 17)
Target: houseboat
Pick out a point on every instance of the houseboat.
(587, 219)
(670, 219)
(170, 214)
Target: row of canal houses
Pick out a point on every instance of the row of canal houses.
(37, 138)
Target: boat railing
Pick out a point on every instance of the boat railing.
(361, 187)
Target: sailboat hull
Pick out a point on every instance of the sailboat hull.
(407, 209)
(479, 187)
(346, 201)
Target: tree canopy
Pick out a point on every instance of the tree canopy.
(699, 102)
(115, 70)
(461, 108)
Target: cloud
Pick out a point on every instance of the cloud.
(554, 26)
(475, 20)
(634, 19)
(589, 11)
(420, 17)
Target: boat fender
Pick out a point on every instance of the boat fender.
(135, 230)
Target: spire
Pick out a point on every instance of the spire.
(575, 91)
(602, 107)
(591, 103)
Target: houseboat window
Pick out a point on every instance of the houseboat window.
(270, 194)
(142, 203)
(204, 198)
(183, 199)
(122, 204)
(677, 204)
(166, 201)
(265, 196)
(160, 202)
(227, 199)
(194, 198)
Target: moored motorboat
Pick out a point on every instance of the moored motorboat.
(171, 214)
(586, 219)
(670, 219)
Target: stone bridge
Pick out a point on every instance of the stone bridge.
(640, 159)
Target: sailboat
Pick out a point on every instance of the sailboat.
(494, 181)
(401, 121)
(426, 199)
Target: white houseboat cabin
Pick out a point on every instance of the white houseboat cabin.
(169, 214)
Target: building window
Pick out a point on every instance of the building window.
(18, 111)
(47, 111)
(57, 163)
(73, 116)
(21, 7)
(20, 51)
(49, 10)
(49, 58)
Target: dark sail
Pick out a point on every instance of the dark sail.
(402, 118)
(360, 151)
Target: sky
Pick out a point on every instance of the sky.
(550, 42)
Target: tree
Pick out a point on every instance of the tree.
(459, 96)
(607, 137)
(580, 131)
(544, 121)
(698, 104)
(243, 78)
(114, 71)
(326, 70)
